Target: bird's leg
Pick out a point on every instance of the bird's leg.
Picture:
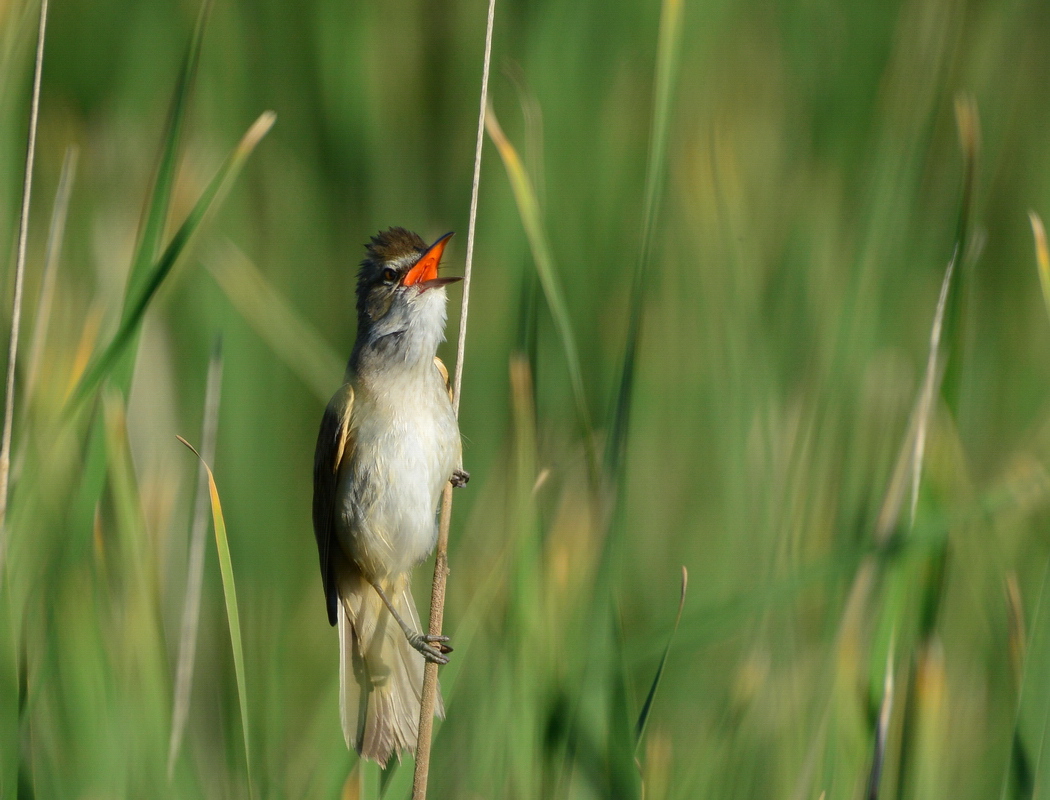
(423, 642)
(459, 478)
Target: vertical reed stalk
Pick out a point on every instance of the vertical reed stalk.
(20, 265)
(437, 598)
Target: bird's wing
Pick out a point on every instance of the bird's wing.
(335, 447)
(443, 371)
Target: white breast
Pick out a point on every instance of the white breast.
(407, 445)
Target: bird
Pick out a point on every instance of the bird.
(388, 444)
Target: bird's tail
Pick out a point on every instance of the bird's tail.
(380, 673)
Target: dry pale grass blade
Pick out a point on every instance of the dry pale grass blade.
(532, 117)
(930, 387)
(55, 237)
(20, 268)
(531, 219)
(1042, 256)
(1017, 641)
(968, 128)
(908, 470)
(907, 473)
(292, 339)
(233, 617)
(195, 567)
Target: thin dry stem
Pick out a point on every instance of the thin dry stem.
(437, 598)
(20, 264)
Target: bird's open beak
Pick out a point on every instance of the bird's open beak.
(425, 272)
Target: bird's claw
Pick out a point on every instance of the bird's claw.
(459, 478)
(424, 643)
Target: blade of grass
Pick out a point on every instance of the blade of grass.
(930, 385)
(667, 50)
(647, 706)
(297, 343)
(908, 468)
(1042, 256)
(195, 567)
(421, 774)
(943, 377)
(20, 268)
(233, 617)
(907, 473)
(205, 206)
(882, 728)
(1020, 772)
(957, 322)
(666, 61)
(531, 219)
(93, 479)
(55, 236)
(155, 216)
(622, 776)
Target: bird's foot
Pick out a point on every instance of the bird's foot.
(459, 478)
(424, 643)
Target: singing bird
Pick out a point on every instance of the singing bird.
(388, 444)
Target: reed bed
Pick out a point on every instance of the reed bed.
(754, 408)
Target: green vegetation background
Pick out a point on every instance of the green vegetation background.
(813, 179)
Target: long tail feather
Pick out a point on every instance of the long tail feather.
(380, 673)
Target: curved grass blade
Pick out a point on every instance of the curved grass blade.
(529, 210)
(229, 590)
(206, 205)
(195, 567)
(647, 706)
(121, 358)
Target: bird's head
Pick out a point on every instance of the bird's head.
(399, 294)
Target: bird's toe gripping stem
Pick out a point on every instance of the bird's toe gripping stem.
(424, 643)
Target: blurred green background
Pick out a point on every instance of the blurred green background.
(807, 207)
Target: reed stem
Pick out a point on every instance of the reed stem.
(437, 597)
(20, 268)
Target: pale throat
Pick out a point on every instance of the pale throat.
(409, 348)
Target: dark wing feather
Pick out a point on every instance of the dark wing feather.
(335, 446)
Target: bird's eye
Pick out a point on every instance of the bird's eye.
(389, 275)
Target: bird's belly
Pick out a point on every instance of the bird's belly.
(393, 486)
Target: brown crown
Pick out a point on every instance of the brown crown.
(394, 243)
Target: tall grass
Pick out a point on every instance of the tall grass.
(700, 327)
